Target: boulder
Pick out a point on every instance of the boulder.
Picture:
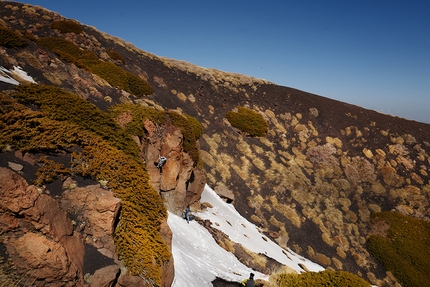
(224, 193)
(105, 277)
(96, 210)
(45, 260)
(38, 235)
(132, 281)
(47, 217)
(15, 192)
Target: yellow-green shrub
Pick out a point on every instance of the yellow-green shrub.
(405, 250)
(48, 170)
(191, 129)
(137, 236)
(88, 60)
(120, 78)
(11, 39)
(139, 114)
(67, 26)
(61, 105)
(115, 55)
(65, 46)
(324, 278)
(248, 121)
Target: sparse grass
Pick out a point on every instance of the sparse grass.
(10, 278)
(67, 26)
(11, 39)
(248, 121)
(405, 249)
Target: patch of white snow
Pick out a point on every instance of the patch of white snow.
(225, 218)
(17, 71)
(198, 259)
(4, 77)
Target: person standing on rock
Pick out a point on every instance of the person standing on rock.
(249, 282)
(161, 161)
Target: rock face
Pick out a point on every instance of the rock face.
(179, 182)
(96, 210)
(38, 235)
(47, 246)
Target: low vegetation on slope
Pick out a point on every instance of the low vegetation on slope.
(57, 104)
(402, 246)
(88, 60)
(67, 26)
(248, 121)
(137, 238)
(325, 278)
(11, 39)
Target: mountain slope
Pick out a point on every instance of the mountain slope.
(311, 182)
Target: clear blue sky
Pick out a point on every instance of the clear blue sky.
(371, 53)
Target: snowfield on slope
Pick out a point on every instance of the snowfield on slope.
(198, 259)
(17, 71)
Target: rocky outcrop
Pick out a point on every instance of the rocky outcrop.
(179, 182)
(38, 235)
(47, 246)
(95, 210)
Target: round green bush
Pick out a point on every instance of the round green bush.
(248, 121)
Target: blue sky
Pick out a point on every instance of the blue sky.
(371, 53)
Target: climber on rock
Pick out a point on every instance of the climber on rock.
(161, 161)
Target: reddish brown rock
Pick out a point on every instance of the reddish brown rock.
(8, 222)
(224, 193)
(96, 210)
(15, 192)
(180, 183)
(47, 217)
(40, 241)
(105, 277)
(132, 281)
(42, 259)
(171, 148)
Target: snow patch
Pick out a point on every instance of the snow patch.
(225, 218)
(198, 259)
(17, 71)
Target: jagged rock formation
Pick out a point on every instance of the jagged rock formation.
(311, 183)
(180, 183)
(38, 235)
